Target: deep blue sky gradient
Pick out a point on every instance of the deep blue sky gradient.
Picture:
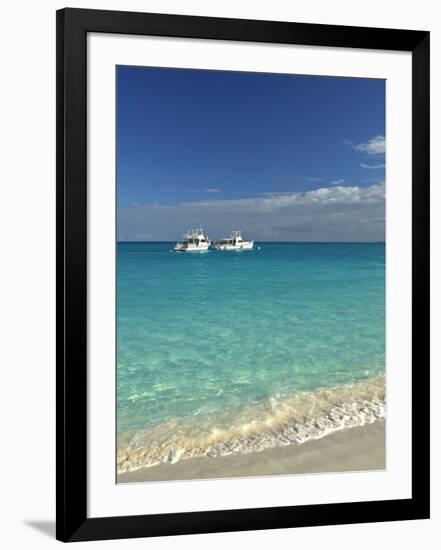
(183, 133)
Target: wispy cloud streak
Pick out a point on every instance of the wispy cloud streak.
(209, 190)
(374, 147)
(372, 166)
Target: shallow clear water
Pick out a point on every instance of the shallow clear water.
(204, 335)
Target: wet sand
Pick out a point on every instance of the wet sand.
(352, 449)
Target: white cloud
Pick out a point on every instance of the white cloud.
(327, 214)
(338, 182)
(212, 190)
(372, 166)
(373, 147)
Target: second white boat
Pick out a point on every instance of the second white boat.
(235, 242)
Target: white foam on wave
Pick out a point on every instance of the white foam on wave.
(276, 422)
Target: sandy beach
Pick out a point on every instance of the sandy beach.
(353, 449)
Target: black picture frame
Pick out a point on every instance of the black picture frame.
(71, 428)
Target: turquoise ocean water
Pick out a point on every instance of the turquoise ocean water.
(222, 351)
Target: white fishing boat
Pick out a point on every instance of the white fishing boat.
(235, 242)
(195, 240)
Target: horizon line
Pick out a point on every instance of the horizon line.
(269, 242)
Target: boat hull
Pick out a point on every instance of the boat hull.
(185, 248)
(248, 245)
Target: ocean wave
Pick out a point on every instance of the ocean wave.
(275, 422)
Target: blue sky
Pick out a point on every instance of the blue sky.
(284, 157)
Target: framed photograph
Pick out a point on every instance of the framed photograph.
(242, 274)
